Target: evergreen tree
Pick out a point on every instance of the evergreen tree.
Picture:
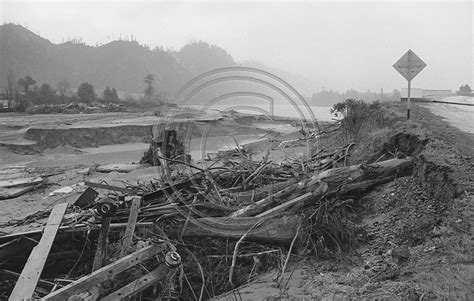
(86, 93)
(46, 94)
(464, 90)
(26, 83)
(110, 95)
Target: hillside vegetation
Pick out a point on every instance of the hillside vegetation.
(121, 64)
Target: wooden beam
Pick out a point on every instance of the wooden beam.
(46, 285)
(76, 228)
(101, 251)
(139, 285)
(339, 180)
(21, 182)
(279, 208)
(105, 273)
(108, 187)
(10, 193)
(279, 230)
(31, 273)
(132, 221)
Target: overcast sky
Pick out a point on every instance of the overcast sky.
(338, 45)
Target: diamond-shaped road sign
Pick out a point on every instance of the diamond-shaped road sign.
(409, 65)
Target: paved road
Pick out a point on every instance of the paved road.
(460, 116)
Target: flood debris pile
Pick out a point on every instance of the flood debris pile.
(194, 232)
(18, 180)
(168, 140)
(75, 108)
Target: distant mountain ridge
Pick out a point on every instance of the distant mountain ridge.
(119, 64)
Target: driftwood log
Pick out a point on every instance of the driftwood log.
(343, 180)
(279, 230)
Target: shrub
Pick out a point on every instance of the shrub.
(358, 118)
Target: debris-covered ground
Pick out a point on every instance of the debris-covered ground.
(306, 215)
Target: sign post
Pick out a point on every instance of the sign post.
(408, 99)
(409, 65)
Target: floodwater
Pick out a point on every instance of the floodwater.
(129, 152)
(283, 110)
(200, 147)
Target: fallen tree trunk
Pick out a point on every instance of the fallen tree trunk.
(260, 192)
(279, 230)
(343, 180)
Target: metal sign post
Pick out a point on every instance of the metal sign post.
(408, 99)
(409, 65)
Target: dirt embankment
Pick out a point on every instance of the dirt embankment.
(37, 139)
(416, 237)
(88, 137)
(426, 216)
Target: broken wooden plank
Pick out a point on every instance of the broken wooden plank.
(169, 189)
(75, 228)
(31, 273)
(280, 207)
(46, 285)
(21, 182)
(139, 285)
(117, 167)
(10, 193)
(109, 187)
(261, 192)
(14, 276)
(105, 273)
(132, 220)
(101, 251)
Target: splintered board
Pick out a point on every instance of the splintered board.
(31, 273)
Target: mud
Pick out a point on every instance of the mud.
(89, 137)
(435, 178)
(35, 140)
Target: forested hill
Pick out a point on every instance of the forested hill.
(119, 64)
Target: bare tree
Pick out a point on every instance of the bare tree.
(63, 87)
(11, 84)
(148, 80)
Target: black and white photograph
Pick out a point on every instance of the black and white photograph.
(234, 150)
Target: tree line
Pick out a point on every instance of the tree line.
(330, 97)
(25, 93)
(464, 90)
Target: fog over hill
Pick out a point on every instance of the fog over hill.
(119, 64)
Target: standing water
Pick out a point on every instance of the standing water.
(199, 148)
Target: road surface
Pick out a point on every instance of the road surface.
(460, 116)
